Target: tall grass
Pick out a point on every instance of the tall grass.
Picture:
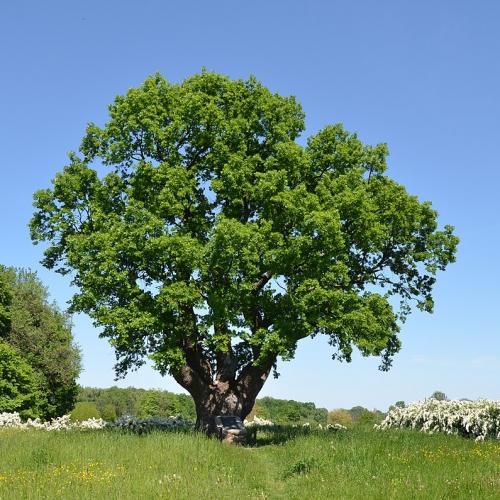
(359, 463)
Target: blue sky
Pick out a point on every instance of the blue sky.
(422, 76)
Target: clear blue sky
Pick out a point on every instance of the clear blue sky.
(422, 76)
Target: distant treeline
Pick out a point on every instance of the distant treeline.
(114, 402)
(290, 412)
(282, 411)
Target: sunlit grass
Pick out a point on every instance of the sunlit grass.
(359, 463)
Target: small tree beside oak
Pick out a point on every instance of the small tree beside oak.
(201, 235)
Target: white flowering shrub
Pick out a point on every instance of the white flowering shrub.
(263, 423)
(132, 424)
(13, 420)
(259, 422)
(336, 427)
(475, 419)
(10, 420)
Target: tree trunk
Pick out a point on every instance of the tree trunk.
(221, 399)
(225, 393)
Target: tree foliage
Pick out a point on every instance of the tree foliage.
(125, 401)
(397, 404)
(108, 413)
(157, 403)
(283, 411)
(19, 385)
(137, 402)
(439, 395)
(341, 417)
(200, 233)
(5, 302)
(144, 403)
(84, 411)
(42, 334)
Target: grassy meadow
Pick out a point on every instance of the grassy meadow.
(357, 463)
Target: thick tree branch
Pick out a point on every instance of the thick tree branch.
(264, 279)
(187, 378)
(226, 363)
(199, 155)
(253, 377)
(197, 361)
(195, 358)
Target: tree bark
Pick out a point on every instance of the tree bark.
(219, 399)
(224, 390)
(234, 397)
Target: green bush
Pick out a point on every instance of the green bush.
(108, 413)
(371, 417)
(340, 416)
(19, 384)
(156, 403)
(84, 411)
(356, 412)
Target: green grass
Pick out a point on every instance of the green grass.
(359, 463)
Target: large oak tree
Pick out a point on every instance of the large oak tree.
(201, 234)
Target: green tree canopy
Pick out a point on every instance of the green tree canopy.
(137, 402)
(340, 416)
(20, 389)
(126, 401)
(157, 403)
(439, 395)
(201, 234)
(283, 411)
(108, 413)
(42, 334)
(5, 302)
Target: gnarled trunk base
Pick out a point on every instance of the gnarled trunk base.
(226, 394)
(220, 400)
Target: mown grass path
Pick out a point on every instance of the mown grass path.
(359, 463)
